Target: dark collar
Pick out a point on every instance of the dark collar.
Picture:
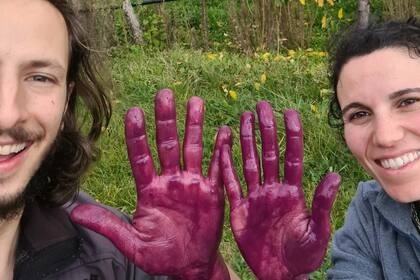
(47, 241)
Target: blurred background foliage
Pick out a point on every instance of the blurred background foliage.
(234, 25)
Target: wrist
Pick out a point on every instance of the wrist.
(280, 275)
(301, 277)
(220, 270)
(217, 271)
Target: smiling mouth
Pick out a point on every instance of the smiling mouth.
(399, 162)
(8, 151)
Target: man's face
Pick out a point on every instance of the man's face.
(34, 56)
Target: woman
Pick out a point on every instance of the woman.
(377, 96)
(376, 102)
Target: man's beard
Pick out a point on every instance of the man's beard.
(12, 206)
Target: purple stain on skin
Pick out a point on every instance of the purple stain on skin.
(270, 150)
(277, 236)
(193, 146)
(250, 158)
(177, 226)
(291, 119)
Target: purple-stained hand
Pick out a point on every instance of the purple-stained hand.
(275, 233)
(177, 224)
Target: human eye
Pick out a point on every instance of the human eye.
(407, 102)
(41, 79)
(358, 116)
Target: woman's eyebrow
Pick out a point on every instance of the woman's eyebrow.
(351, 106)
(392, 96)
(399, 93)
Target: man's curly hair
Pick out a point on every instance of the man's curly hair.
(58, 179)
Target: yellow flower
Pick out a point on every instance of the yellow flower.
(177, 83)
(291, 53)
(279, 57)
(263, 78)
(331, 2)
(320, 3)
(302, 2)
(324, 22)
(340, 13)
(265, 56)
(211, 56)
(314, 108)
(257, 86)
(232, 94)
(322, 54)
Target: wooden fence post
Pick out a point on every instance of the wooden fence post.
(204, 25)
(133, 22)
(364, 10)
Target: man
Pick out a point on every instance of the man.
(44, 71)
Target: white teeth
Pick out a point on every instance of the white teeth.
(398, 162)
(11, 149)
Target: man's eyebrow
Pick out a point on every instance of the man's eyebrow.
(351, 106)
(45, 64)
(402, 92)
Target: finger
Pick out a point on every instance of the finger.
(250, 159)
(193, 140)
(106, 223)
(293, 158)
(230, 179)
(137, 148)
(270, 149)
(322, 204)
(166, 132)
(224, 137)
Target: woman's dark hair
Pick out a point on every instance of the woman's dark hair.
(359, 42)
(58, 179)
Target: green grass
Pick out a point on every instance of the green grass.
(292, 82)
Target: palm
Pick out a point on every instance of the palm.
(276, 234)
(178, 219)
(177, 225)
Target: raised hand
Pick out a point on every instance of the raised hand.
(177, 225)
(275, 233)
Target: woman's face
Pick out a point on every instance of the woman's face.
(379, 95)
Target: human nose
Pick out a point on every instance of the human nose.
(11, 103)
(388, 130)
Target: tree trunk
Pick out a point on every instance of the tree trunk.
(132, 22)
(204, 25)
(364, 10)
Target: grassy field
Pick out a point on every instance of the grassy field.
(229, 84)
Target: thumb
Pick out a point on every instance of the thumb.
(322, 204)
(106, 223)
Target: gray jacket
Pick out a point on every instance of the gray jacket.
(378, 239)
(51, 247)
